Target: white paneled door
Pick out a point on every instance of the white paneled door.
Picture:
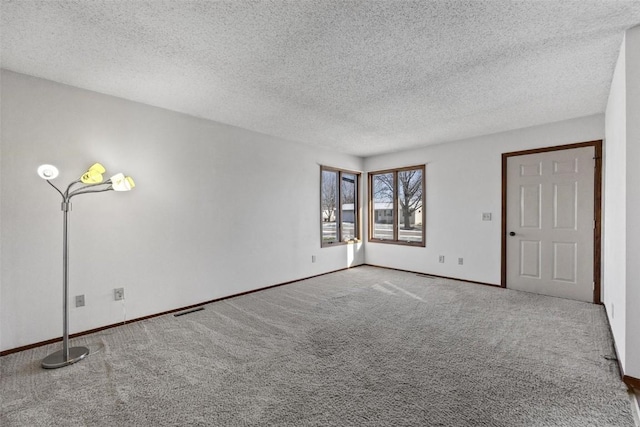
(550, 223)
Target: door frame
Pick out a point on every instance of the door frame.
(597, 210)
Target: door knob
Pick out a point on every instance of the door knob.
(512, 233)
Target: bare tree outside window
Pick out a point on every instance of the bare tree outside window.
(339, 206)
(397, 213)
(409, 195)
(329, 194)
(348, 188)
(382, 216)
(409, 203)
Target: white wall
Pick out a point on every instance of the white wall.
(622, 205)
(217, 210)
(632, 50)
(463, 181)
(614, 236)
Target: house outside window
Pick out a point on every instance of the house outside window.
(339, 206)
(396, 206)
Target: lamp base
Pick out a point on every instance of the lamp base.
(57, 359)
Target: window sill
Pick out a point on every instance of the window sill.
(398, 242)
(348, 242)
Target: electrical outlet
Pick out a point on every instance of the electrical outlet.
(118, 294)
(460, 261)
(313, 258)
(79, 300)
(441, 259)
(486, 216)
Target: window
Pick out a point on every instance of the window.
(339, 206)
(396, 208)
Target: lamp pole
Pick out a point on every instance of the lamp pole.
(65, 279)
(92, 180)
(67, 355)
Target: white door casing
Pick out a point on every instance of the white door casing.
(550, 223)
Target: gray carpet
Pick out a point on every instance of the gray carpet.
(361, 347)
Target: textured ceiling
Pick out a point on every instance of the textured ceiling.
(360, 77)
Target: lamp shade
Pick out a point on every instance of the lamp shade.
(47, 171)
(119, 182)
(93, 175)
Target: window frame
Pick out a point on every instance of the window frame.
(371, 212)
(356, 208)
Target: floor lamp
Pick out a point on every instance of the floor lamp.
(90, 182)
